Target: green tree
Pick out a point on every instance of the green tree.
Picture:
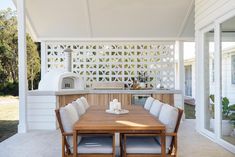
(33, 61)
(9, 51)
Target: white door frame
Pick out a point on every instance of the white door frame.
(218, 79)
(200, 84)
(200, 59)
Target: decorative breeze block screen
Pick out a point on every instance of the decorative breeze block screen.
(119, 61)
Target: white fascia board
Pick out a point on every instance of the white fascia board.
(30, 29)
(116, 39)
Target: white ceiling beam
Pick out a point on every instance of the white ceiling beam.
(29, 24)
(30, 27)
(186, 18)
(116, 39)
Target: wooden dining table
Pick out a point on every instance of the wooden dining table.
(137, 121)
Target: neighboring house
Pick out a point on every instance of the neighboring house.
(228, 75)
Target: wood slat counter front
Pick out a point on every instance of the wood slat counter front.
(96, 120)
(103, 97)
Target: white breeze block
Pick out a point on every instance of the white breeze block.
(168, 116)
(69, 117)
(80, 107)
(85, 103)
(148, 103)
(156, 108)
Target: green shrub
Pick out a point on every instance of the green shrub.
(9, 88)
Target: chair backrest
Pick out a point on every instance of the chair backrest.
(169, 116)
(148, 103)
(58, 117)
(84, 101)
(180, 114)
(80, 107)
(156, 108)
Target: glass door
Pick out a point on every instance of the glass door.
(228, 81)
(209, 85)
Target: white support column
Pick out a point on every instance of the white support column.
(218, 81)
(23, 84)
(180, 52)
(43, 59)
(200, 82)
(197, 55)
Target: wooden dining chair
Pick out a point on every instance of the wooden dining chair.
(148, 103)
(89, 145)
(139, 145)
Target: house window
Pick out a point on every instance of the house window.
(233, 69)
(212, 70)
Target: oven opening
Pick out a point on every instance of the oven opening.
(139, 99)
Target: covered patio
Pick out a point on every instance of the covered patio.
(48, 143)
(98, 49)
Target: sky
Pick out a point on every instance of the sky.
(4, 4)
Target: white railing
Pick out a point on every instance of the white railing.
(115, 60)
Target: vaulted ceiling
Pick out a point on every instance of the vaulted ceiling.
(110, 18)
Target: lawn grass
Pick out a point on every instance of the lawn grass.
(189, 111)
(9, 116)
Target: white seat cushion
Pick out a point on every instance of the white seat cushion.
(143, 145)
(79, 107)
(168, 116)
(156, 108)
(69, 116)
(85, 103)
(96, 145)
(148, 103)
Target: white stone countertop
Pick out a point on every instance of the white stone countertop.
(103, 91)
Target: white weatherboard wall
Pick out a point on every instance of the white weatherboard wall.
(192, 63)
(228, 89)
(206, 11)
(41, 112)
(209, 14)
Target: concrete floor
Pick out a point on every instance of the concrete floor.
(48, 144)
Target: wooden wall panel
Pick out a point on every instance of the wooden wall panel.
(165, 98)
(98, 99)
(65, 99)
(126, 99)
(104, 99)
(115, 96)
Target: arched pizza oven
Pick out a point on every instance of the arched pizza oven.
(57, 80)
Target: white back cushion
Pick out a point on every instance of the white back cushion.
(69, 117)
(168, 116)
(85, 103)
(148, 103)
(79, 107)
(156, 108)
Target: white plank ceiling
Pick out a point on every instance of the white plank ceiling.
(110, 18)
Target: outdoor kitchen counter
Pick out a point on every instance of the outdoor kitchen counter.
(45, 102)
(103, 91)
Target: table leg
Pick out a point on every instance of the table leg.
(163, 144)
(74, 143)
(114, 145)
